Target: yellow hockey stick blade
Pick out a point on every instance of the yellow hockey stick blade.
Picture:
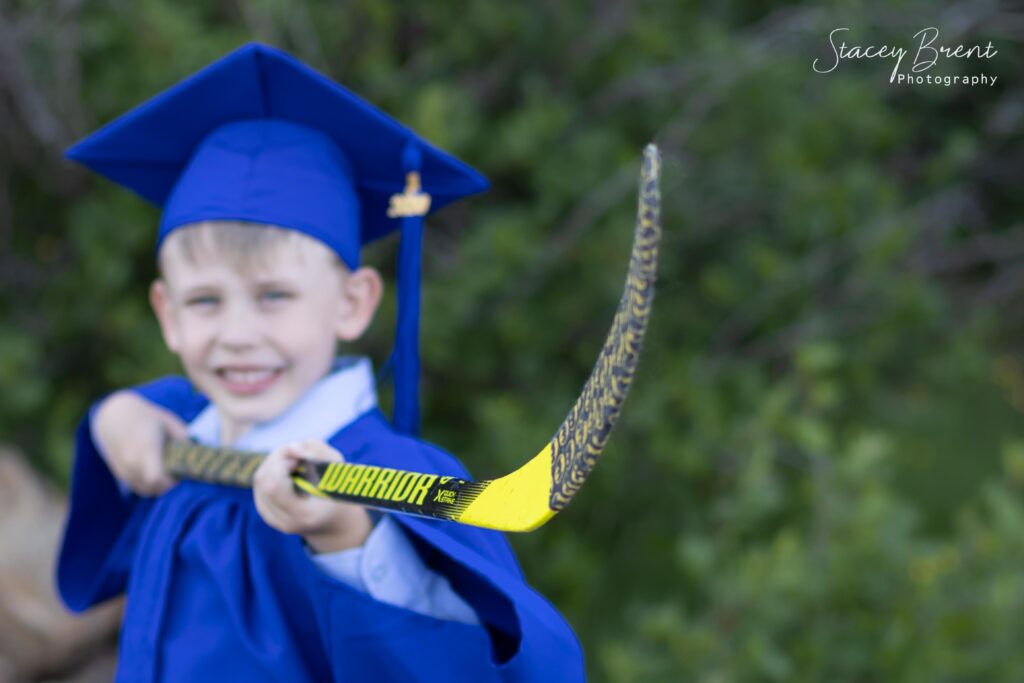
(533, 494)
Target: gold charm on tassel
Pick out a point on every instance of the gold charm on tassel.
(411, 201)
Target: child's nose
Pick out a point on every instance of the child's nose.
(240, 327)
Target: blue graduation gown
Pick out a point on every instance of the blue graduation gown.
(214, 594)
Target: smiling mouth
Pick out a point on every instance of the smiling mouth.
(248, 381)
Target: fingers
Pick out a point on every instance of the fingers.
(146, 474)
(156, 474)
(130, 433)
(274, 493)
(292, 511)
(266, 489)
(138, 462)
(311, 451)
(174, 427)
(319, 451)
(152, 480)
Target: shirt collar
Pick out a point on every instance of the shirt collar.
(330, 404)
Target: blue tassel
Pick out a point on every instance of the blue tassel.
(406, 416)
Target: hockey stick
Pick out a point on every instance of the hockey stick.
(533, 494)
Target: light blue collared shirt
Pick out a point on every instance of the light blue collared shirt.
(386, 566)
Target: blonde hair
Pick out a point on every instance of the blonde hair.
(245, 245)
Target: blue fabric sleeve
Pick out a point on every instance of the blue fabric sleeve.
(99, 534)
(529, 639)
(102, 524)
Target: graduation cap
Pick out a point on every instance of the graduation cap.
(260, 137)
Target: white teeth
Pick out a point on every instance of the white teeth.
(247, 376)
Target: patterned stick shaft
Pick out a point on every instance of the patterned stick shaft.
(215, 465)
(582, 435)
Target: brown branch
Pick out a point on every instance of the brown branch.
(30, 103)
(259, 22)
(829, 256)
(67, 65)
(609, 20)
(6, 230)
(582, 217)
(302, 32)
(991, 248)
(782, 27)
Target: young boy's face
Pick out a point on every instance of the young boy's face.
(255, 335)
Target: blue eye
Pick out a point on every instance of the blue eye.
(202, 301)
(275, 295)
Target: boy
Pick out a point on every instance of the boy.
(270, 177)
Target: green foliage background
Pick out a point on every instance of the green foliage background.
(818, 475)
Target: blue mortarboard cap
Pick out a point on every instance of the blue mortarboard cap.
(258, 136)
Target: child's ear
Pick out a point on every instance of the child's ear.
(160, 300)
(361, 292)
